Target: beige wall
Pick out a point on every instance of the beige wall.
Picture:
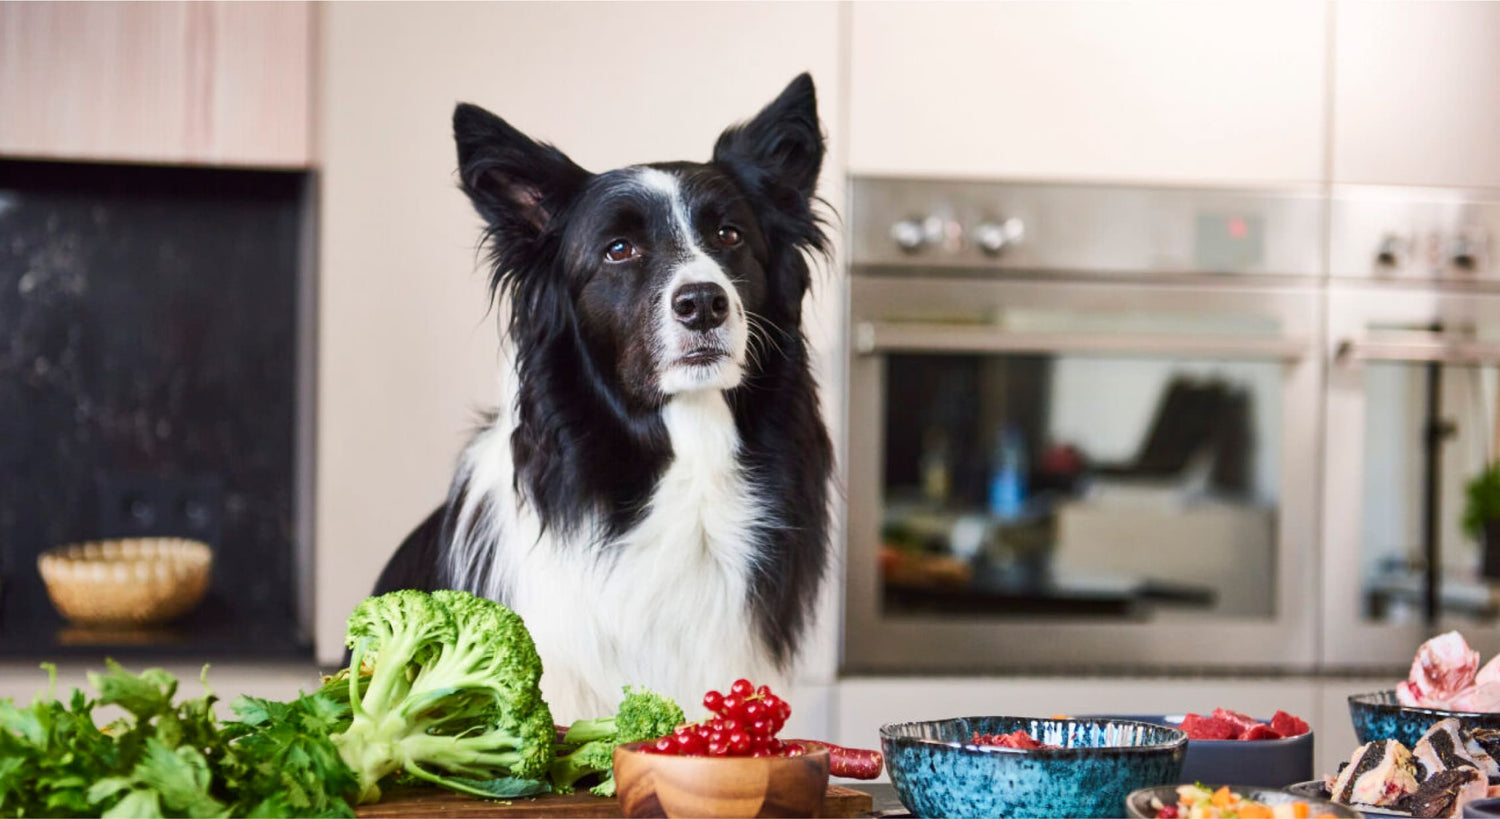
(407, 351)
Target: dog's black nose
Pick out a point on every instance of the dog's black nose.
(701, 306)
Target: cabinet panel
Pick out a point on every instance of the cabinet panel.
(1416, 96)
(1160, 91)
(220, 83)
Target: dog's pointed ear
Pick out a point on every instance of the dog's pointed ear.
(517, 184)
(782, 147)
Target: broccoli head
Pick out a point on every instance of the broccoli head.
(450, 695)
(643, 715)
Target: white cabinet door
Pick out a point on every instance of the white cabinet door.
(1194, 92)
(214, 83)
(1416, 95)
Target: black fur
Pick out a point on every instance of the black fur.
(590, 440)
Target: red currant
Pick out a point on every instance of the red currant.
(775, 746)
(713, 700)
(703, 731)
(754, 709)
(763, 691)
(665, 745)
(730, 724)
(760, 753)
(742, 688)
(762, 727)
(739, 743)
(690, 744)
(731, 706)
(718, 748)
(794, 750)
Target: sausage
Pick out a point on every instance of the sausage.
(850, 763)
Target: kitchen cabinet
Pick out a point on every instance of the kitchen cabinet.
(211, 83)
(1199, 92)
(1416, 94)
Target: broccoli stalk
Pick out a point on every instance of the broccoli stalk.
(452, 697)
(643, 715)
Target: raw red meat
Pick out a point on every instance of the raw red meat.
(1015, 739)
(1261, 731)
(1444, 667)
(1288, 725)
(1238, 720)
(1200, 727)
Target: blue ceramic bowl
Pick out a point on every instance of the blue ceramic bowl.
(1380, 715)
(937, 774)
(1265, 763)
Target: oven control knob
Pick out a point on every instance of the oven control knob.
(912, 234)
(909, 235)
(993, 237)
(1389, 252)
(1465, 253)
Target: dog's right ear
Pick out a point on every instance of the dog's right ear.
(517, 184)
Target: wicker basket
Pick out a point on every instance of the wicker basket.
(140, 581)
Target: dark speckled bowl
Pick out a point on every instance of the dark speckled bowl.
(937, 774)
(1380, 715)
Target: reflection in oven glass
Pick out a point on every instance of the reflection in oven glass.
(1416, 415)
(1080, 487)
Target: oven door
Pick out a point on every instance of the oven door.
(1412, 420)
(1081, 475)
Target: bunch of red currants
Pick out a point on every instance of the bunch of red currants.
(748, 719)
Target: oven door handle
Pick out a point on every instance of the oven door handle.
(1419, 346)
(878, 337)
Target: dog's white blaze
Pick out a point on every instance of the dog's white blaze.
(698, 267)
(665, 605)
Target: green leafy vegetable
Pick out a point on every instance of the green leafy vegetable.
(166, 759)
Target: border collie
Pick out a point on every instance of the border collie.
(651, 494)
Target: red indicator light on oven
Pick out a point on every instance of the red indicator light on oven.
(1237, 228)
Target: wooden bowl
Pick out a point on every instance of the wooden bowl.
(138, 581)
(713, 787)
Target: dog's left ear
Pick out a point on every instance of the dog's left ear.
(517, 184)
(782, 147)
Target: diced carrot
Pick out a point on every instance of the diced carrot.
(1300, 810)
(1256, 812)
(1222, 798)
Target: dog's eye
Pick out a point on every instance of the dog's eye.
(620, 250)
(729, 236)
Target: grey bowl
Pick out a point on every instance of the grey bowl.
(1379, 715)
(936, 772)
(1138, 804)
(1264, 763)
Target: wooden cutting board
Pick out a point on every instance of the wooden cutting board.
(403, 803)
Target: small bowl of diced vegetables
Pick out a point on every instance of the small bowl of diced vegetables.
(1199, 801)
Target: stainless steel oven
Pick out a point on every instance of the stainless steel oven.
(1413, 345)
(1084, 427)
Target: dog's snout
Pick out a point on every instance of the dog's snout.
(701, 306)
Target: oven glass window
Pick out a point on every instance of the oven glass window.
(1080, 486)
(1429, 431)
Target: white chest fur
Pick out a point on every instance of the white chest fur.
(665, 605)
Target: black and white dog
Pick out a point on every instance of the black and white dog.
(651, 493)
